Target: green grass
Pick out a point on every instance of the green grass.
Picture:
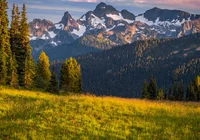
(36, 115)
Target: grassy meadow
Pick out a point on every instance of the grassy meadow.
(41, 116)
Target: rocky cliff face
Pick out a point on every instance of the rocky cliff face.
(38, 27)
(68, 22)
(191, 27)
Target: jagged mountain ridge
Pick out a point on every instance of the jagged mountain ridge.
(109, 26)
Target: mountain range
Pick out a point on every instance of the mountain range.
(105, 27)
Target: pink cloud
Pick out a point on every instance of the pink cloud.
(92, 1)
(180, 3)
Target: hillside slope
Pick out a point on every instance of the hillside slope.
(121, 71)
(35, 115)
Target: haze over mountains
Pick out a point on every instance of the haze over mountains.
(106, 27)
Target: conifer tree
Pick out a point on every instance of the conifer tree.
(26, 66)
(169, 96)
(14, 29)
(180, 91)
(175, 95)
(53, 84)
(5, 52)
(193, 90)
(152, 89)
(14, 76)
(70, 76)
(43, 71)
(14, 34)
(145, 93)
(160, 95)
(197, 87)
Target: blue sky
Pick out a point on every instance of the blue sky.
(53, 9)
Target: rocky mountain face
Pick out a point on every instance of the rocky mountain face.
(39, 27)
(105, 27)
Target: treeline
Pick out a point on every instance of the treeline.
(17, 67)
(175, 93)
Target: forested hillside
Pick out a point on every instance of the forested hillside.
(121, 71)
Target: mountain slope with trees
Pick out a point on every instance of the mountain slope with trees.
(121, 71)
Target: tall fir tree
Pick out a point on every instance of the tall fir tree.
(175, 95)
(14, 29)
(5, 52)
(180, 91)
(53, 84)
(70, 76)
(145, 93)
(193, 90)
(14, 39)
(197, 87)
(43, 74)
(152, 89)
(14, 76)
(26, 66)
(170, 94)
(160, 95)
(3, 67)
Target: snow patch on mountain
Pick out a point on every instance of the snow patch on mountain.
(59, 26)
(96, 21)
(121, 24)
(54, 43)
(144, 20)
(83, 18)
(157, 22)
(52, 34)
(111, 28)
(37, 27)
(33, 38)
(81, 30)
(173, 30)
(119, 17)
(44, 37)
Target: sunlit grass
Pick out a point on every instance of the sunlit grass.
(36, 115)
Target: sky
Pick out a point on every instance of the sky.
(53, 10)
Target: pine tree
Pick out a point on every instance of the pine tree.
(145, 93)
(70, 76)
(180, 91)
(43, 71)
(193, 90)
(14, 30)
(53, 85)
(5, 52)
(26, 66)
(169, 96)
(152, 89)
(197, 87)
(160, 95)
(14, 76)
(175, 95)
(190, 93)
(14, 34)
